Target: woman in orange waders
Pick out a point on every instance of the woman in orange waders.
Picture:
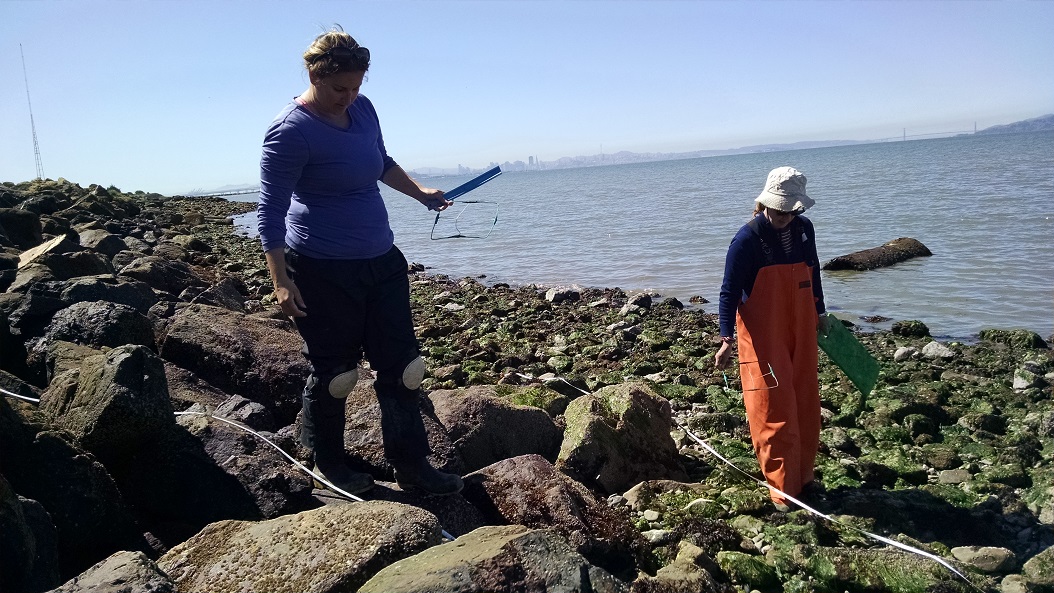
(772, 291)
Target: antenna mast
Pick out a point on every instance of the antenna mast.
(32, 124)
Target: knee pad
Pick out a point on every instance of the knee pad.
(414, 373)
(341, 385)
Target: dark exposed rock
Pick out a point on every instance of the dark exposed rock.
(486, 428)
(891, 253)
(29, 547)
(163, 274)
(529, 491)
(240, 354)
(21, 227)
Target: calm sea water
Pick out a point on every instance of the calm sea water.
(984, 205)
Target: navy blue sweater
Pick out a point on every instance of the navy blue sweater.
(751, 250)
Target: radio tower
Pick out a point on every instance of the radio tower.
(32, 125)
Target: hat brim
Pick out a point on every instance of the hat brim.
(795, 203)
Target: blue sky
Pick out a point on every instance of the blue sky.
(170, 96)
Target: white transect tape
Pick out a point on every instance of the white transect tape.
(827, 517)
(21, 397)
(301, 466)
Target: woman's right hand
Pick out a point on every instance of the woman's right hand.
(723, 356)
(289, 299)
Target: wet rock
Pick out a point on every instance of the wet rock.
(1015, 338)
(486, 428)
(619, 436)
(895, 251)
(484, 559)
(529, 491)
(329, 549)
(122, 572)
(910, 329)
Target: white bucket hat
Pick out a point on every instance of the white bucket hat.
(785, 191)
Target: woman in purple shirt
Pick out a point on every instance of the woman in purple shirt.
(335, 268)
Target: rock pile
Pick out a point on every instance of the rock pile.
(140, 321)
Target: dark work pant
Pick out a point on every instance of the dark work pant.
(357, 307)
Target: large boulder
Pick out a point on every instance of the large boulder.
(102, 241)
(364, 443)
(116, 405)
(22, 227)
(891, 253)
(249, 356)
(91, 518)
(618, 437)
(122, 572)
(276, 487)
(101, 323)
(335, 548)
(163, 274)
(28, 546)
(486, 428)
(497, 558)
(529, 491)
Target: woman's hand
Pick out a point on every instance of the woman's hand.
(724, 355)
(289, 299)
(433, 199)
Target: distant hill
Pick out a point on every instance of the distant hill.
(1043, 123)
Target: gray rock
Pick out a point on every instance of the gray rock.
(123, 572)
(619, 436)
(936, 350)
(985, 558)
(905, 353)
(247, 412)
(1026, 379)
(22, 227)
(1014, 583)
(953, 476)
(1039, 570)
(486, 428)
(331, 549)
(163, 274)
(485, 559)
(103, 242)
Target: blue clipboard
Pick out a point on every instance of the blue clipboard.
(472, 184)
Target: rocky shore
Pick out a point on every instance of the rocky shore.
(141, 336)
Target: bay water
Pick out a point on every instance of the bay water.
(983, 204)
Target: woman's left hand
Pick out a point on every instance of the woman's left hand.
(433, 199)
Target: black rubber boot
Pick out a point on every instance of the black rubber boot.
(406, 442)
(420, 475)
(322, 430)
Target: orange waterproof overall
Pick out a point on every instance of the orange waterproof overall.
(778, 367)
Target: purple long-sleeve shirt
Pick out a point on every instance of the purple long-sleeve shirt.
(318, 185)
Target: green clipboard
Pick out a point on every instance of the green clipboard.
(844, 350)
